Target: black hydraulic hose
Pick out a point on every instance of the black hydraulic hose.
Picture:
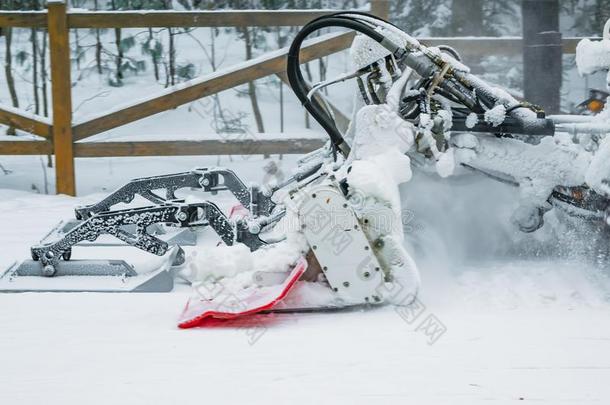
(298, 84)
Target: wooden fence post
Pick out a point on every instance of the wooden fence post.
(61, 88)
(381, 8)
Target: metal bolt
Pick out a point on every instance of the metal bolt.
(205, 182)
(181, 216)
(379, 243)
(49, 254)
(48, 270)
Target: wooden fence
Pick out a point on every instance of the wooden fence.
(61, 133)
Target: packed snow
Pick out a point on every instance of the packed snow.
(514, 325)
(496, 115)
(471, 120)
(592, 56)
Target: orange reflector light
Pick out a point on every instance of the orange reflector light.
(595, 106)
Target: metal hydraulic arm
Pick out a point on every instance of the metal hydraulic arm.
(208, 179)
(131, 227)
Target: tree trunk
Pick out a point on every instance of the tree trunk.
(251, 86)
(218, 111)
(77, 48)
(43, 75)
(322, 69)
(35, 70)
(119, 57)
(171, 65)
(8, 71)
(44, 89)
(153, 56)
(172, 58)
(35, 63)
(98, 52)
(166, 70)
(98, 45)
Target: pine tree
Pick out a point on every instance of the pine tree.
(590, 15)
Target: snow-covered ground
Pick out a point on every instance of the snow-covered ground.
(70, 349)
(492, 324)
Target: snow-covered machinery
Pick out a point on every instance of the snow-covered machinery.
(335, 225)
(451, 120)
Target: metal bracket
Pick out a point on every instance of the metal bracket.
(340, 246)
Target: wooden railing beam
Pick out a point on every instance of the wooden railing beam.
(506, 46)
(23, 19)
(15, 118)
(237, 18)
(381, 8)
(26, 148)
(169, 148)
(197, 148)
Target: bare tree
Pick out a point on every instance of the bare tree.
(8, 71)
(44, 75)
(35, 71)
(34, 39)
(170, 68)
(42, 55)
(172, 57)
(153, 54)
(98, 44)
(251, 85)
(119, 56)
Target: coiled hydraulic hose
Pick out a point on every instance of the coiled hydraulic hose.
(300, 86)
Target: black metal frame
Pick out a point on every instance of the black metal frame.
(133, 225)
